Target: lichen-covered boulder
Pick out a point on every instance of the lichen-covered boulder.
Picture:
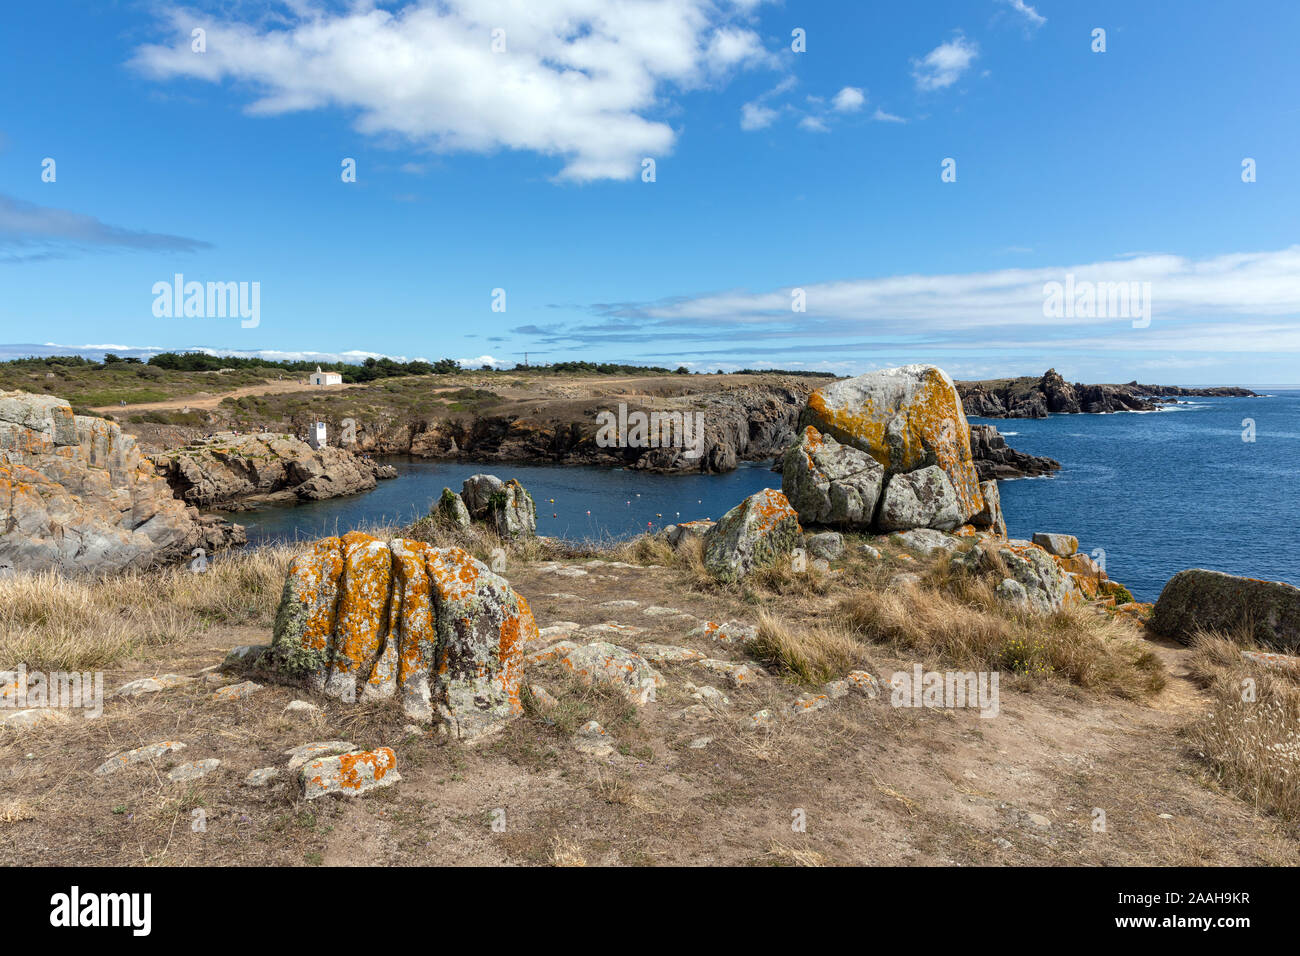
(830, 483)
(990, 516)
(361, 618)
(906, 418)
(1197, 599)
(828, 545)
(924, 498)
(1047, 587)
(754, 534)
(451, 508)
(688, 531)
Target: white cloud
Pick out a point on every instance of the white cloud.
(481, 361)
(881, 116)
(755, 116)
(1032, 15)
(814, 124)
(849, 100)
(578, 78)
(944, 65)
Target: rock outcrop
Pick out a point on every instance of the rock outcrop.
(1197, 599)
(755, 534)
(234, 471)
(924, 498)
(908, 419)
(829, 483)
(76, 495)
(995, 459)
(365, 618)
(1029, 397)
(506, 505)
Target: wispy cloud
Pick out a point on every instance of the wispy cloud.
(1237, 302)
(30, 233)
(577, 79)
(944, 65)
(1033, 16)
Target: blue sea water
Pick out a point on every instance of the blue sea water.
(1156, 492)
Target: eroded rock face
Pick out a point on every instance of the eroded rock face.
(754, 534)
(361, 617)
(990, 516)
(76, 495)
(907, 418)
(924, 498)
(830, 483)
(227, 469)
(1213, 601)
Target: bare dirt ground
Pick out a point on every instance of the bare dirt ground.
(874, 784)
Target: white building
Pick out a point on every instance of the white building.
(325, 378)
(316, 435)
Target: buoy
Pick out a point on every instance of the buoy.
(588, 512)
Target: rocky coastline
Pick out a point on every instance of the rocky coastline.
(1029, 397)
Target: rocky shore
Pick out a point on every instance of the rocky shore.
(1030, 397)
(235, 472)
(76, 495)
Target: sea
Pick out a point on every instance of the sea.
(1208, 483)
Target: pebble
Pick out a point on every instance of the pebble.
(192, 771)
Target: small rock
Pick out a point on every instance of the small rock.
(699, 743)
(619, 605)
(711, 696)
(864, 683)
(592, 740)
(1165, 816)
(668, 653)
(1002, 843)
(148, 685)
(836, 689)
(656, 611)
(808, 703)
(33, 718)
(696, 712)
(350, 774)
(192, 771)
(760, 719)
(729, 632)
(261, 776)
(139, 755)
(871, 553)
(828, 544)
(905, 580)
(321, 748)
(545, 699)
(1038, 820)
(236, 691)
(300, 709)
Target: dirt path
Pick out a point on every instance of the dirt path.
(209, 401)
(1059, 776)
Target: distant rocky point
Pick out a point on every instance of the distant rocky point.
(1030, 397)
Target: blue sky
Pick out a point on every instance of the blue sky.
(775, 171)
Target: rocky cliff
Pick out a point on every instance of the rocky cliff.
(75, 494)
(233, 471)
(1030, 397)
(745, 423)
(995, 459)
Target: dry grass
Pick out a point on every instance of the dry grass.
(968, 625)
(1251, 737)
(566, 853)
(789, 855)
(52, 622)
(808, 655)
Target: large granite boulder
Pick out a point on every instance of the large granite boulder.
(924, 498)
(1197, 599)
(76, 495)
(365, 618)
(451, 508)
(226, 469)
(906, 418)
(829, 483)
(754, 534)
